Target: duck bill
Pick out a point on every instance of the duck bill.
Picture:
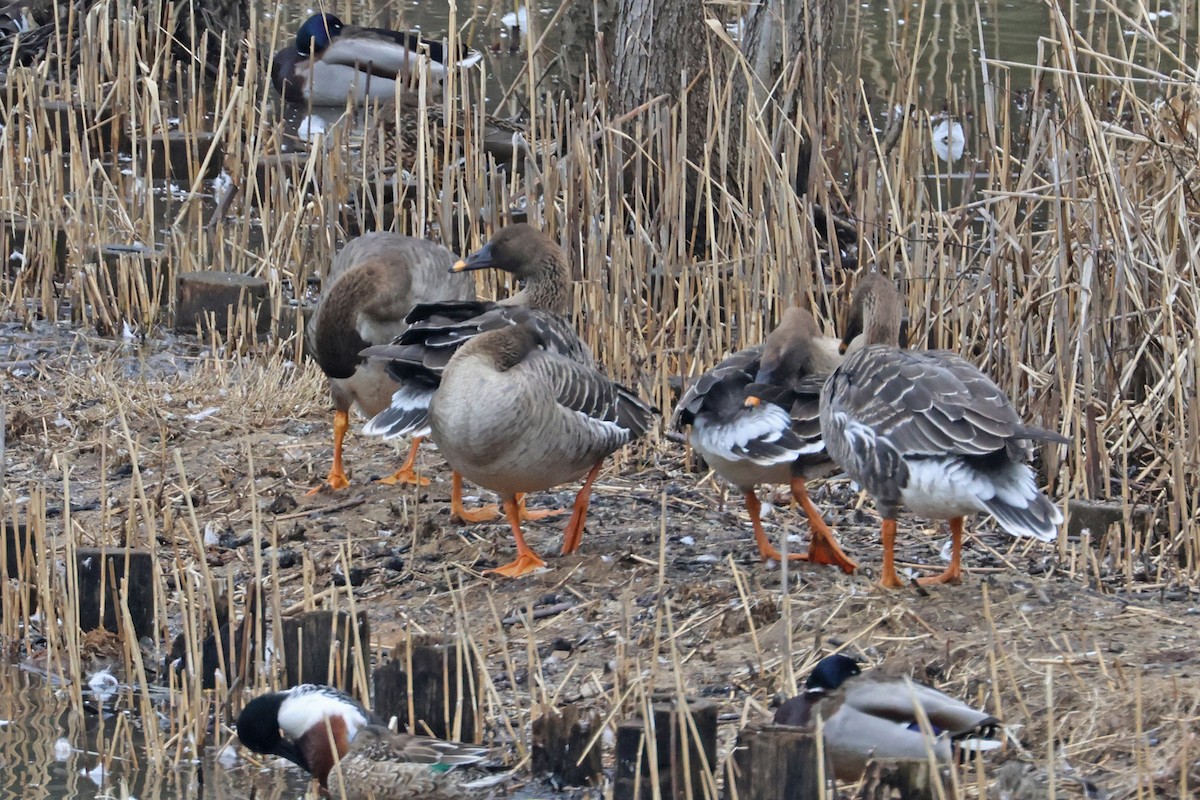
(480, 259)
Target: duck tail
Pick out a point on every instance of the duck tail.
(982, 738)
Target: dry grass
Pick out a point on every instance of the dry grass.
(1064, 269)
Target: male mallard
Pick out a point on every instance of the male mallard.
(929, 431)
(513, 415)
(418, 358)
(754, 419)
(331, 63)
(376, 280)
(871, 715)
(329, 734)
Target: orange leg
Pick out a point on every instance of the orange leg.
(489, 512)
(953, 573)
(573, 535)
(822, 547)
(888, 576)
(337, 476)
(526, 561)
(406, 473)
(765, 548)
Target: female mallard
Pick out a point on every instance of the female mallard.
(329, 734)
(377, 278)
(871, 715)
(513, 415)
(929, 431)
(754, 419)
(418, 358)
(331, 63)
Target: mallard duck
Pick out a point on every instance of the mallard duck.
(376, 280)
(330, 735)
(331, 63)
(867, 715)
(930, 432)
(514, 416)
(754, 419)
(418, 358)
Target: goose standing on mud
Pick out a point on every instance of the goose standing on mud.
(331, 63)
(930, 432)
(329, 734)
(375, 281)
(873, 716)
(754, 419)
(515, 416)
(418, 358)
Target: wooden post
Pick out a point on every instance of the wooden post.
(18, 564)
(684, 768)
(777, 762)
(100, 572)
(560, 745)
(180, 154)
(897, 779)
(445, 689)
(201, 293)
(311, 642)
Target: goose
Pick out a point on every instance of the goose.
(928, 431)
(869, 715)
(330, 735)
(754, 419)
(513, 415)
(376, 279)
(331, 63)
(436, 331)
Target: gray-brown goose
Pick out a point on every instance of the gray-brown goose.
(418, 358)
(514, 416)
(872, 715)
(375, 281)
(754, 419)
(930, 432)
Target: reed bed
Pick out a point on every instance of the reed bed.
(1062, 265)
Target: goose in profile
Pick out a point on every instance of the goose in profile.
(515, 416)
(375, 280)
(929, 432)
(870, 715)
(436, 331)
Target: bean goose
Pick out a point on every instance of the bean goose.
(874, 716)
(754, 419)
(514, 416)
(930, 432)
(418, 358)
(330, 735)
(376, 280)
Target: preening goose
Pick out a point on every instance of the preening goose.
(930, 432)
(418, 358)
(868, 715)
(514, 416)
(375, 281)
(754, 419)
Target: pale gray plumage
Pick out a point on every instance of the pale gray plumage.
(874, 715)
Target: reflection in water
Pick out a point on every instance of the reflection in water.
(46, 751)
